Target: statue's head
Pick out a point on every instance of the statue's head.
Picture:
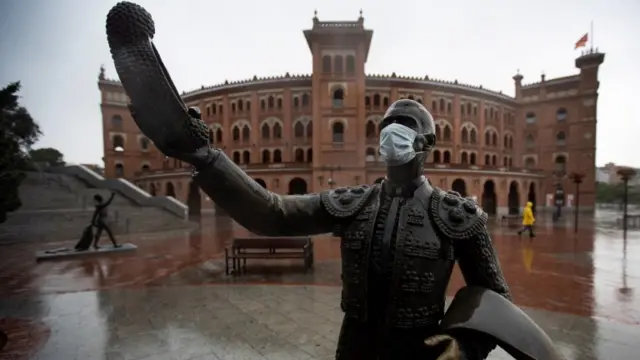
(407, 137)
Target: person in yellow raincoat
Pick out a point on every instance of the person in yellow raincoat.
(528, 220)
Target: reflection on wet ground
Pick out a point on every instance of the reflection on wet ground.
(162, 301)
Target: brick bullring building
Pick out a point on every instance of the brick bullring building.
(305, 133)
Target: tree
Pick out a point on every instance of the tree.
(18, 131)
(50, 156)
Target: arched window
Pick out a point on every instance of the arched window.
(271, 102)
(438, 132)
(561, 138)
(561, 114)
(338, 64)
(116, 122)
(309, 155)
(118, 143)
(298, 130)
(305, 99)
(277, 156)
(442, 105)
(448, 107)
(326, 64)
(530, 163)
(367, 101)
(338, 97)
(144, 144)
(473, 137)
(376, 100)
(246, 133)
(447, 157)
(494, 139)
(263, 104)
(279, 103)
(530, 118)
(277, 131)
(436, 157)
(246, 157)
(447, 133)
(465, 135)
(434, 106)
(219, 136)
(487, 159)
(240, 105)
(385, 101)
(351, 64)
(464, 158)
(371, 130)
(236, 157)
(472, 159)
(337, 129)
(487, 138)
(299, 156)
(310, 129)
(494, 160)
(233, 107)
(265, 131)
(561, 164)
(266, 156)
(145, 167)
(296, 102)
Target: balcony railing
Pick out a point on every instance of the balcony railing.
(380, 165)
(373, 165)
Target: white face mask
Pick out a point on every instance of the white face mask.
(396, 144)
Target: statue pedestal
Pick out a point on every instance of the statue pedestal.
(64, 253)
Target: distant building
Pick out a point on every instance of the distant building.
(305, 133)
(608, 174)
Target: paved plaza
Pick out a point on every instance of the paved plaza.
(171, 300)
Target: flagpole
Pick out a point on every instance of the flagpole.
(592, 37)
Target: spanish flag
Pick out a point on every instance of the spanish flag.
(583, 41)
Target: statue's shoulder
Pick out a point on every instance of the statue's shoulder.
(455, 216)
(347, 201)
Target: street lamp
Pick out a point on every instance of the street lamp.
(331, 182)
(576, 178)
(625, 173)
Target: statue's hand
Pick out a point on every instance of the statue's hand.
(197, 158)
(448, 347)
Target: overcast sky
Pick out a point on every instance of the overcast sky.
(55, 48)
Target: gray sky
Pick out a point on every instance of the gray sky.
(55, 48)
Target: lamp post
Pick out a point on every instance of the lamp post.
(625, 173)
(577, 179)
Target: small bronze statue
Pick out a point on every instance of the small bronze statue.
(99, 220)
(400, 239)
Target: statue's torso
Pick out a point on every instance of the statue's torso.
(406, 288)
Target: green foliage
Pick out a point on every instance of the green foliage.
(50, 156)
(614, 193)
(18, 131)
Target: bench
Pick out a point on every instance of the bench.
(510, 220)
(242, 249)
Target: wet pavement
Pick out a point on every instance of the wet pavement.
(171, 299)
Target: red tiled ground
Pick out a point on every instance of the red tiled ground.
(588, 274)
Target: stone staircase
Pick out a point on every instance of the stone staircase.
(58, 203)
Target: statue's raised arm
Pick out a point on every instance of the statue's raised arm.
(180, 133)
